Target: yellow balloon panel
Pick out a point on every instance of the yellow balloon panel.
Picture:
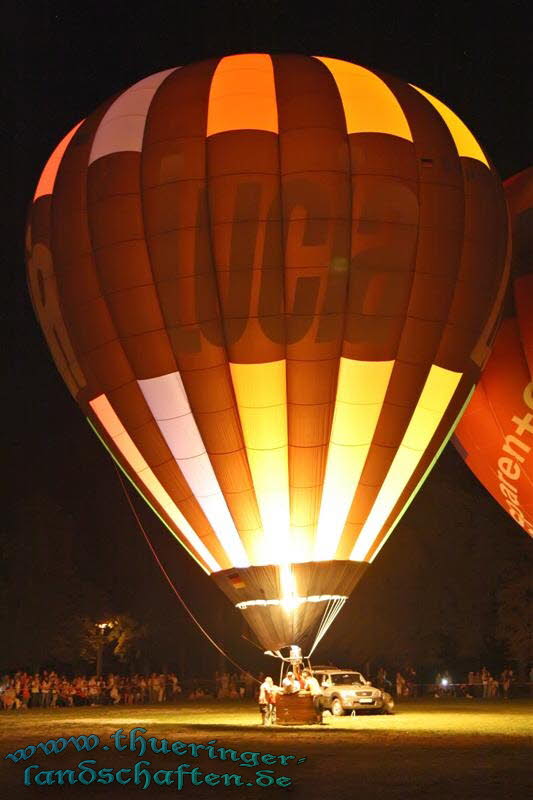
(361, 391)
(434, 400)
(369, 105)
(464, 140)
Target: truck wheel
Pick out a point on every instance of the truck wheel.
(336, 708)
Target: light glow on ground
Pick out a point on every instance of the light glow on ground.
(430, 750)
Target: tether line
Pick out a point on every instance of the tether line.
(172, 585)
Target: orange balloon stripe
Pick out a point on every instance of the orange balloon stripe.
(243, 96)
(315, 197)
(48, 175)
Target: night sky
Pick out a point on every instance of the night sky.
(453, 546)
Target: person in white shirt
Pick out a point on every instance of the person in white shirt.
(290, 684)
(267, 701)
(313, 687)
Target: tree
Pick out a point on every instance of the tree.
(515, 601)
(81, 638)
(127, 636)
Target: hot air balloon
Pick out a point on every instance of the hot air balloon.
(270, 283)
(495, 435)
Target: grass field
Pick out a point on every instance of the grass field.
(475, 750)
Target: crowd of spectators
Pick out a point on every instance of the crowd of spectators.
(48, 689)
(477, 684)
(403, 685)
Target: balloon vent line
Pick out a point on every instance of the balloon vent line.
(331, 611)
(172, 585)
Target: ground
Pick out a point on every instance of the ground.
(447, 748)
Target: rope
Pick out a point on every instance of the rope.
(171, 583)
(318, 636)
(331, 611)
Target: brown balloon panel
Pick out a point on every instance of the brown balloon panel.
(495, 435)
(282, 615)
(271, 282)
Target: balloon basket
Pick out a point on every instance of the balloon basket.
(296, 709)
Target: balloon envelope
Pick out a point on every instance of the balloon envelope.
(270, 283)
(495, 435)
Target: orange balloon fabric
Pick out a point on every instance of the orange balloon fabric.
(495, 435)
(271, 282)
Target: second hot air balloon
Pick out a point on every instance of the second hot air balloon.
(495, 435)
